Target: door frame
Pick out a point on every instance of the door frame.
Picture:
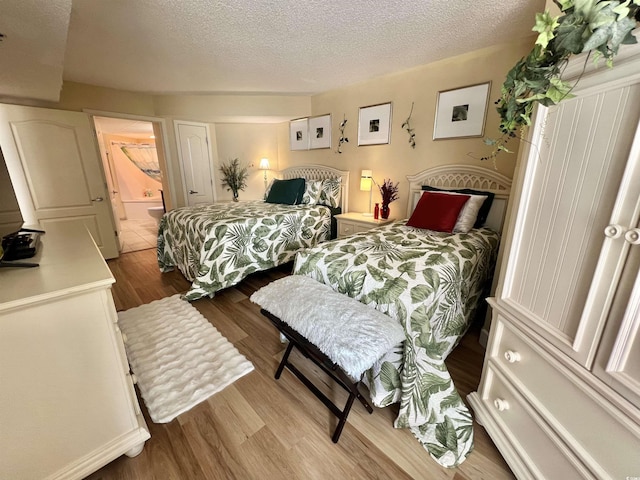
(111, 184)
(165, 142)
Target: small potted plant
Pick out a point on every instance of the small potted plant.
(389, 193)
(234, 177)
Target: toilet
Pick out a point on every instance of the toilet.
(156, 212)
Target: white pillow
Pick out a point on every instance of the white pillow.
(469, 213)
(312, 190)
(330, 194)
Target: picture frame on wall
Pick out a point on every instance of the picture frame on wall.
(320, 131)
(374, 124)
(461, 112)
(299, 134)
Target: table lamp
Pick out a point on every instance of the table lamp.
(366, 178)
(264, 165)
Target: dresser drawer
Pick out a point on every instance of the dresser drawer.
(527, 432)
(347, 228)
(574, 409)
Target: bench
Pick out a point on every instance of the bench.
(339, 334)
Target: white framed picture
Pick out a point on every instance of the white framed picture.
(374, 124)
(299, 134)
(461, 112)
(320, 131)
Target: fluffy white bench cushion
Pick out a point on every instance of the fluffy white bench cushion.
(351, 334)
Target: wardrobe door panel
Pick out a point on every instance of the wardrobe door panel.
(618, 360)
(560, 254)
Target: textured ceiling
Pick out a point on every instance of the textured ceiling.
(276, 46)
(32, 52)
(239, 46)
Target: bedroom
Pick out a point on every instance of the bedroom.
(259, 123)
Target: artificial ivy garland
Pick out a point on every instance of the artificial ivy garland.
(592, 26)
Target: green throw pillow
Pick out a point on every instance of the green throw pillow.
(288, 192)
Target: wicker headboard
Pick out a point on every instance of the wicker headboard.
(320, 172)
(464, 176)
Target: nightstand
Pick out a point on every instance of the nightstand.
(350, 223)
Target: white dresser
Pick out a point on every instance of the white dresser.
(560, 389)
(67, 402)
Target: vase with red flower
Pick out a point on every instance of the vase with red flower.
(384, 211)
(389, 193)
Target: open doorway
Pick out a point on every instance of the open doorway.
(134, 174)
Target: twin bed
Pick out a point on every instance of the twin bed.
(430, 281)
(216, 246)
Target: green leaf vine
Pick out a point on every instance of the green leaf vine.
(407, 126)
(342, 139)
(596, 27)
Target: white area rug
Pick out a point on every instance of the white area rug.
(180, 359)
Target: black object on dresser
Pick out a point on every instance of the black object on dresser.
(18, 246)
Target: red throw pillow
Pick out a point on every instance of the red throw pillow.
(437, 211)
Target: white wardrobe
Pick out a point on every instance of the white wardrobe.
(560, 389)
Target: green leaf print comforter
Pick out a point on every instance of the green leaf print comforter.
(431, 282)
(217, 245)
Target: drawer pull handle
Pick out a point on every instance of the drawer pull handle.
(501, 404)
(511, 356)
(633, 236)
(613, 231)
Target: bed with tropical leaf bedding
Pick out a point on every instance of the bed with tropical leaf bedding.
(430, 281)
(216, 245)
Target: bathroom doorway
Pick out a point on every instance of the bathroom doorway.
(135, 178)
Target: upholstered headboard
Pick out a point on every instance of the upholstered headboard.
(464, 176)
(320, 172)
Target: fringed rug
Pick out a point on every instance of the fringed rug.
(179, 358)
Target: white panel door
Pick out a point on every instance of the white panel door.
(51, 156)
(195, 161)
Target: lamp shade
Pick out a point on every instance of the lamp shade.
(365, 180)
(264, 164)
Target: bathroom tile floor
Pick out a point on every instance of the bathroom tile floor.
(138, 234)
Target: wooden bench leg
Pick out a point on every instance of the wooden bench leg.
(284, 360)
(312, 352)
(343, 418)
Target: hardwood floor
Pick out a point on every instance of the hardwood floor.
(260, 428)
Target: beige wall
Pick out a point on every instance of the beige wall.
(421, 86)
(232, 108)
(244, 126)
(253, 135)
(252, 126)
(77, 96)
(248, 143)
